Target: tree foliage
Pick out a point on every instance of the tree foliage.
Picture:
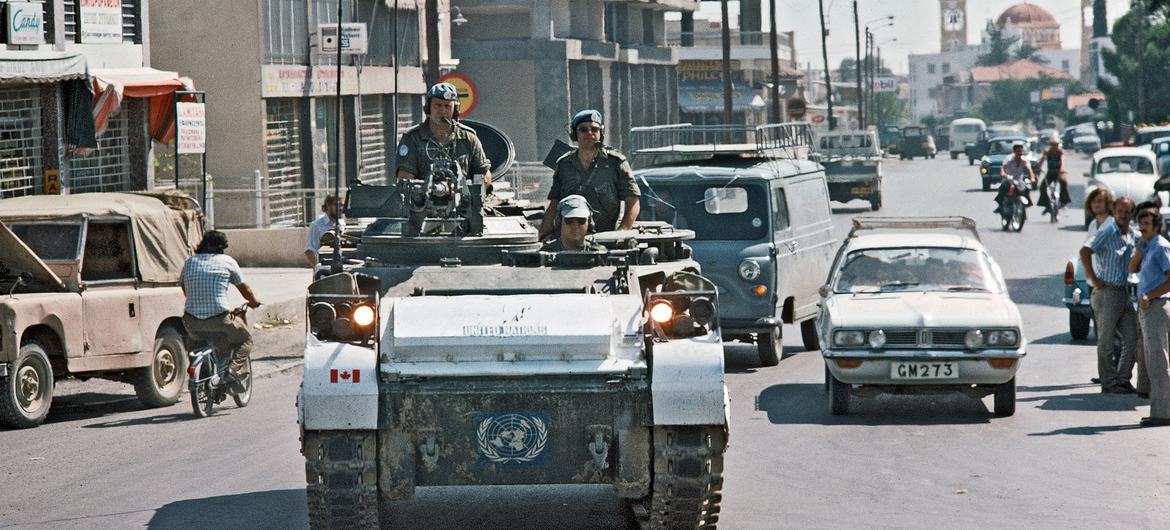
(1011, 100)
(1028, 52)
(999, 47)
(1149, 63)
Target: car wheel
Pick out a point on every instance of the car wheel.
(986, 186)
(954, 156)
(808, 335)
(769, 345)
(28, 389)
(161, 383)
(1005, 398)
(838, 395)
(970, 161)
(1078, 325)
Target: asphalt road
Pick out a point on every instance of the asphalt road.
(1070, 457)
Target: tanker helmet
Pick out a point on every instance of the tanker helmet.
(574, 207)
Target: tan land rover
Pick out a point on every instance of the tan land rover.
(89, 288)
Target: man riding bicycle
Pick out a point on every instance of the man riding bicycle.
(1015, 169)
(1054, 156)
(208, 315)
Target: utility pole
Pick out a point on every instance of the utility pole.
(726, 23)
(877, 97)
(825, 57)
(335, 267)
(775, 116)
(1141, 42)
(857, 55)
(432, 25)
(869, 75)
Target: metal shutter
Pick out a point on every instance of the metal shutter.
(372, 152)
(70, 20)
(282, 128)
(106, 168)
(20, 142)
(131, 21)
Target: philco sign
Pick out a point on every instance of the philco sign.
(706, 71)
(26, 23)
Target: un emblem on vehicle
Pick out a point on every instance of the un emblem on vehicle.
(518, 438)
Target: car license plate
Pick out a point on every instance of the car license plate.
(924, 370)
(863, 191)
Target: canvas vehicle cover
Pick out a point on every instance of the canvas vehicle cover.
(167, 226)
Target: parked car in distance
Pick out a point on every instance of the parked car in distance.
(763, 230)
(90, 289)
(999, 150)
(888, 135)
(1126, 172)
(1145, 136)
(942, 138)
(918, 306)
(964, 131)
(853, 166)
(915, 140)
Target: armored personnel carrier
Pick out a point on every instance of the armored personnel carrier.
(454, 352)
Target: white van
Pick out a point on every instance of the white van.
(964, 131)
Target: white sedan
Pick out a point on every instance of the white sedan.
(916, 305)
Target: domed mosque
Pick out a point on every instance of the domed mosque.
(1034, 25)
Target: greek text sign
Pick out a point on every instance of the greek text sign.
(293, 81)
(26, 23)
(192, 128)
(101, 21)
(353, 38)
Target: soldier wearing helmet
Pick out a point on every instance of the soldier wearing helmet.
(572, 225)
(441, 136)
(598, 173)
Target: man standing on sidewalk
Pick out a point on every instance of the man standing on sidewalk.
(1153, 251)
(319, 227)
(1105, 258)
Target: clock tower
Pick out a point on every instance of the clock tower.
(953, 24)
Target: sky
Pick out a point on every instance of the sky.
(915, 28)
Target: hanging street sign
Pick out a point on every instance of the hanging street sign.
(354, 40)
(468, 95)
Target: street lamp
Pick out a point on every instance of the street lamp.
(870, 70)
(857, 51)
(457, 17)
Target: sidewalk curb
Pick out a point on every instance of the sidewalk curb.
(280, 368)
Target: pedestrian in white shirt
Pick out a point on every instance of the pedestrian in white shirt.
(319, 227)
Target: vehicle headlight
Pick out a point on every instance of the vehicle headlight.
(363, 315)
(983, 170)
(973, 339)
(877, 339)
(850, 338)
(1002, 338)
(749, 270)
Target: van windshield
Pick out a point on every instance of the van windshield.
(719, 210)
(968, 128)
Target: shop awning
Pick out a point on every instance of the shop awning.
(708, 97)
(111, 85)
(40, 66)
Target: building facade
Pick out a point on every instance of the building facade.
(536, 62)
(55, 54)
(272, 103)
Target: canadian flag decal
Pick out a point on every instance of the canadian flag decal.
(345, 376)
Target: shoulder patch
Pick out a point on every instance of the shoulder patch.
(403, 150)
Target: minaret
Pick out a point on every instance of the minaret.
(1086, 30)
(953, 25)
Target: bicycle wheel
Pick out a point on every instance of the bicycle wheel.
(199, 387)
(242, 398)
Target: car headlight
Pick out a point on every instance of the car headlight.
(1001, 338)
(851, 338)
(973, 339)
(877, 339)
(983, 170)
(749, 270)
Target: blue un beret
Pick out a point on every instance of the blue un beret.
(587, 115)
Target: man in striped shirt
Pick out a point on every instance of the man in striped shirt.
(1105, 258)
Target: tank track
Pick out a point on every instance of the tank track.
(688, 479)
(341, 473)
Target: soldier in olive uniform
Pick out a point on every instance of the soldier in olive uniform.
(600, 174)
(440, 136)
(573, 219)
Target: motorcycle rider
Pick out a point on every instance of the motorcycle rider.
(1015, 169)
(441, 135)
(1054, 156)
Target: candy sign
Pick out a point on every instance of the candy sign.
(26, 22)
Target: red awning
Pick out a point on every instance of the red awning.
(110, 85)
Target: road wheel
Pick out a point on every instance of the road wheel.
(808, 335)
(28, 389)
(1005, 398)
(986, 186)
(954, 155)
(770, 345)
(242, 398)
(1078, 325)
(161, 383)
(838, 395)
(970, 161)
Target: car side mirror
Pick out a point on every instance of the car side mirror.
(26, 278)
(824, 291)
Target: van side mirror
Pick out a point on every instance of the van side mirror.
(824, 291)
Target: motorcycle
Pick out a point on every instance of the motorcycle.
(1015, 202)
(1051, 190)
(208, 381)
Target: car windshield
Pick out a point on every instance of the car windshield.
(911, 132)
(1162, 148)
(1000, 147)
(732, 210)
(1125, 164)
(916, 269)
(51, 241)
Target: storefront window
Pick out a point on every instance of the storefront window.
(20, 142)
